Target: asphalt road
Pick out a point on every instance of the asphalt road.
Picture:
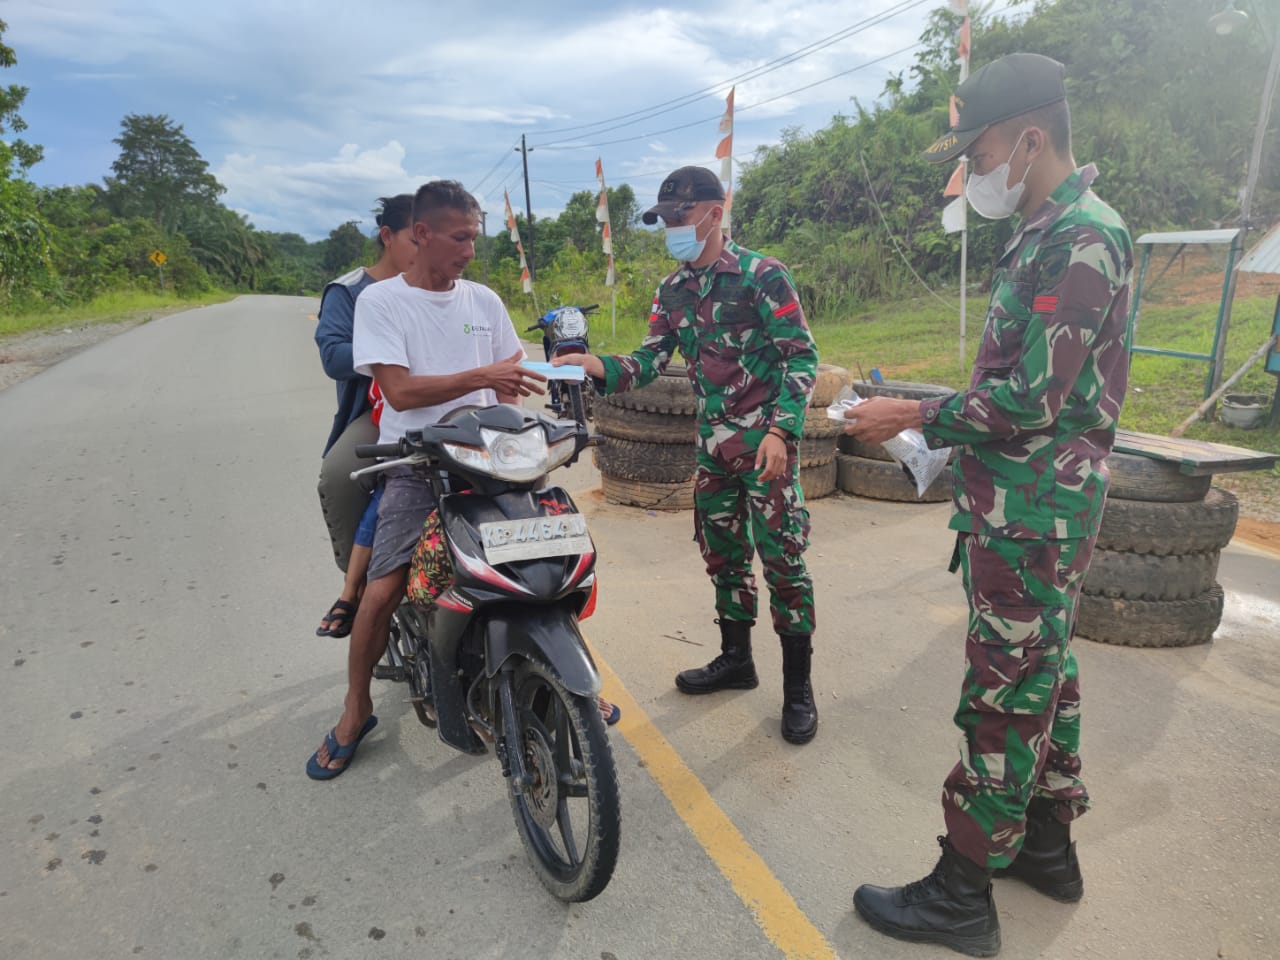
(164, 566)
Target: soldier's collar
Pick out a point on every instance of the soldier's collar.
(729, 261)
(1064, 194)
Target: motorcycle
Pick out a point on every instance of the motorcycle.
(564, 330)
(498, 657)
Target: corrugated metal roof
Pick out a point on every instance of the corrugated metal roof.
(1265, 256)
(1191, 236)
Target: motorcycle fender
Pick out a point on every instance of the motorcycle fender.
(445, 631)
(549, 634)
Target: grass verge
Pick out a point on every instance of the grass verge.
(108, 307)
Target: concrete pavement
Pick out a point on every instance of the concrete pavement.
(164, 566)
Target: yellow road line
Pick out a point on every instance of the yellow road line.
(774, 909)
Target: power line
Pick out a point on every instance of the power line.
(876, 203)
(667, 106)
(501, 160)
(744, 109)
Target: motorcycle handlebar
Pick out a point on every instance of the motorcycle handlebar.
(370, 451)
(536, 326)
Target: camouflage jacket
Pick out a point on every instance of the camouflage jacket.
(1049, 380)
(739, 325)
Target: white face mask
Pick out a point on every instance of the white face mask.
(990, 194)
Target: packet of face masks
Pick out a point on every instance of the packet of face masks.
(908, 449)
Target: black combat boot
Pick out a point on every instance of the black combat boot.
(732, 670)
(799, 712)
(952, 906)
(1047, 860)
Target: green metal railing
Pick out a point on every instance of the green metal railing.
(1218, 352)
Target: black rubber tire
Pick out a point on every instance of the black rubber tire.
(816, 451)
(641, 425)
(649, 496)
(828, 384)
(1121, 575)
(818, 481)
(851, 445)
(1150, 623)
(1141, 478)
(588, 744)
(885, 480)
(818, 424)
(1165, 529)
(652, 462)
(902, 389)
(669, 393)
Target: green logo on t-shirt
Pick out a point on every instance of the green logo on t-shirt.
(466, 328)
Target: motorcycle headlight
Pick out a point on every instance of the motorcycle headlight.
(520, 457)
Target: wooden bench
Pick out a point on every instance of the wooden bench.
(1195, 458)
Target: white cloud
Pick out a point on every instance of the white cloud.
(277, 196)
(270, 92)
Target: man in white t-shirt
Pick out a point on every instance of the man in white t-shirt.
(433, 342)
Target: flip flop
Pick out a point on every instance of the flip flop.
(343, 614)
(614, 714)
(337, 752)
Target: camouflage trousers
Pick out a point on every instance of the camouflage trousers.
(736, 515)
(1019, 712)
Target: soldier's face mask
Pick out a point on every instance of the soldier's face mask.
(683, 242)
(990, 194)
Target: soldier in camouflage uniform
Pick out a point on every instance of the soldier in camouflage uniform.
(1032, 433)
(735, 317)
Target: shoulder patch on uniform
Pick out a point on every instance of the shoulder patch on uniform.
(1044, 304)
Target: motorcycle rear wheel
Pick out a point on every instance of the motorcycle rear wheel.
(574, 790)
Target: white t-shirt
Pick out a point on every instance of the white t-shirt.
(431, 334)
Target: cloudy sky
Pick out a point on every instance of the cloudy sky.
(308, 112)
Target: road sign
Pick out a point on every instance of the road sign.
(158, 258)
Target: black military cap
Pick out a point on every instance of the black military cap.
(686, 186)
(1004, 88)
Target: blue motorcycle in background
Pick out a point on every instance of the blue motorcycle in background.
(564, 330)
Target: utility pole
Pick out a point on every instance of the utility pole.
(528, 208)
(484, 241)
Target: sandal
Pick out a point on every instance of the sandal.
(337, 622)
(611, 712)
(338, 751)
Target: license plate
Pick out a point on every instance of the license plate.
(534, 537)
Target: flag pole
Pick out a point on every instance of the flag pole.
(606, 244)
(724, 153)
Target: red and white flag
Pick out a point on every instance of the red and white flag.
(526, 282)
(602, 215)
(724, 153)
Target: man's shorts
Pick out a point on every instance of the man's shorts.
(406, 503)
(369, 521)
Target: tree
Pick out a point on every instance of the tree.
(17, 156)
(23, 234)
(344, 249)
(159, 172)
(225, 244)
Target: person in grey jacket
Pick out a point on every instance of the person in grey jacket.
(349, 510)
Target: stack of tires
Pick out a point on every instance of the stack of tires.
(648, 457)
(818, 444)
(867, 470)
(1153, 578)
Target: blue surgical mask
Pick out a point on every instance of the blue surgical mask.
(683, 242)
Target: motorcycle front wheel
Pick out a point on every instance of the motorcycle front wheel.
(568, 816)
